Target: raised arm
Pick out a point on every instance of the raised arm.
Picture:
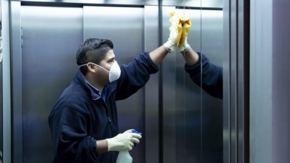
(136, 74)
(201, 70)
(158, 54)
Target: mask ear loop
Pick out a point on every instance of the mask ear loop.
(101, 67)
(95, 65)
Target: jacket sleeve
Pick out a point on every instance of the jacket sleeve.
(212, 76)
(135, 75)
(69, 136)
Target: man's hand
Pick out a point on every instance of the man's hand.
(183, 46)
(180, 26)
(171, 42)
(123, 142)
(186, 24)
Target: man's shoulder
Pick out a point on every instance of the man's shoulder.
(73, 96)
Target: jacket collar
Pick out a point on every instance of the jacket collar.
(80, 79)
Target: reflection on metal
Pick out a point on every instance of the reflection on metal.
(192, 118)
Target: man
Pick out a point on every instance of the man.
(212, 75)
(84, 121)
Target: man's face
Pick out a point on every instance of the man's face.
(106, 63)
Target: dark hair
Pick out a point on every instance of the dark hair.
(93, 50)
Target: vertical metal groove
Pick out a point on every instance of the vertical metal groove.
(238, 24)
(229, 91)
(160, 85)
(246, 40)
(236, 81)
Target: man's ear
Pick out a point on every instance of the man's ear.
(91, 67)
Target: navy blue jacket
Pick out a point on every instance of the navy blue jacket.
(80, 116)
(212, 76)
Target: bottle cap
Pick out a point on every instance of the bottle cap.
(135, 131)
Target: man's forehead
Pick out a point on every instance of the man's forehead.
(110, 54)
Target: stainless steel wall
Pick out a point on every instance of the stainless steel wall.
(212, 108)
(45, 65)
(51, 37)
(6, 83)
(269, 91)
(281, 80)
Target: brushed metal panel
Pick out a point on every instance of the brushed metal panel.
(151, 89)
(169, 96)
(51, 37)
(236, 81)
(16, 59)
(188, 100)
(233, 83)
(212, 108)
(125, 27)
(281, 80)
(262, 79)
(226, 84)
(6, 69)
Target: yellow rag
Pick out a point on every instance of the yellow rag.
(181, 24)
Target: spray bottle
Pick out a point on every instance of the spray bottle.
(124, 156)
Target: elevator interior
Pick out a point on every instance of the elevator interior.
(179, 121)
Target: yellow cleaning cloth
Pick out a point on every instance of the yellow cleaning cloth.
(181, 24)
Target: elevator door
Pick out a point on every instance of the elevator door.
(51, 37)
(124, 27)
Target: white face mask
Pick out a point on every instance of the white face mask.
(114, 73)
